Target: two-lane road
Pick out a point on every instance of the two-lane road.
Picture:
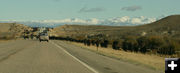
(32, 56)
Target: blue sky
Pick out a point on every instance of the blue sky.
(85, 9)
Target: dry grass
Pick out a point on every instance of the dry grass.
(151, 61)
(2, 41)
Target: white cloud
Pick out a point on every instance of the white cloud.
(126, 20)
(120, 19)
(94, 21)
(136, 21)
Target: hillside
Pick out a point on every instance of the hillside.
(160, 37)
(168, 26)
(12, 30)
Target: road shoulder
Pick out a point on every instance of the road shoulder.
(103, 63)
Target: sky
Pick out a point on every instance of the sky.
(86, 9)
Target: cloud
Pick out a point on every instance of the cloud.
(131, 8)
(91, 21)
(96, 9)
(126, 20)
(136, 21)
(120, 19)
(56, 0)
(116, 21)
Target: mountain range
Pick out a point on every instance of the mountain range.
(116, 21)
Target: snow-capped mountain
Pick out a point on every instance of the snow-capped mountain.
(117, 21)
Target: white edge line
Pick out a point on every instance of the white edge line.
(90, 68)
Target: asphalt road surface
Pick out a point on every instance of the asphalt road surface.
(32, 56)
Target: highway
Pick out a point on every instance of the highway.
(32, 56)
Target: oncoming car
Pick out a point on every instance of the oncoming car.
(43, 37)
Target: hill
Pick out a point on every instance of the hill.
(160, 37)
(12, 30)
(168, 26)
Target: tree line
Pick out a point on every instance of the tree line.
(144, 44)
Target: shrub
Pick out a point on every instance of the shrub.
(169, 48)
(104, 43)
(130, 44)
(97, 43)
(93, 42)
(155, 42)
(115, 45)
(142, 44)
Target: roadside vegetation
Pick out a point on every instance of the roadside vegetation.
(148, 51)
(10, 31)
(148, 60)
(6, 36)
(159, 38)
(162, 46)
(144, 44)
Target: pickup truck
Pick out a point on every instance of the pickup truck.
(43, 37)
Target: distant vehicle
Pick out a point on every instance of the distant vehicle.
(43, 37)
